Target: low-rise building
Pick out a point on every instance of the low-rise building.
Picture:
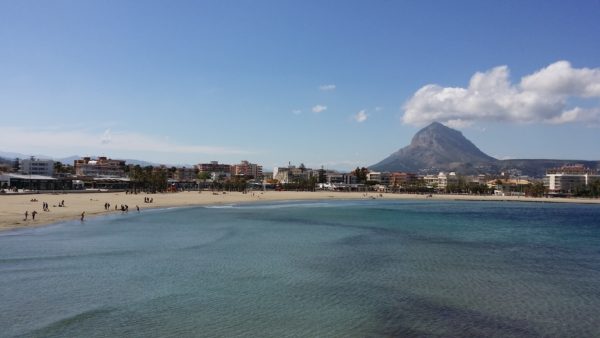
(184, 174)
(441, 180)
(374, 176)
(34, 182)
(248, 169)
(292, 174)
(100, 167)
(214, 168)
(401, 179)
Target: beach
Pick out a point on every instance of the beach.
(13, 207)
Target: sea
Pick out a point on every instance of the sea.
(375, 268)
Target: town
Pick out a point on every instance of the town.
(106, 174)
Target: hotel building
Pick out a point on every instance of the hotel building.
(566, 179)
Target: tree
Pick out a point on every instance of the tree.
(322, 176)
(58, 167)
(205, 175)
(361, 174)
(536, 189)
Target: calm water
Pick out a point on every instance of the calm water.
(326, 269)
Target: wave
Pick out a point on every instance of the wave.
(60, 326)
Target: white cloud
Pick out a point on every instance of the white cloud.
(327, 87)
(296, 111)
(106, 137)
(361, 116)
(319, 108)
(85, 142)
(458, 124)
(543, 96)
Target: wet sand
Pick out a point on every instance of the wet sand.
(13, 207)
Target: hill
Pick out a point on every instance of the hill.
(440, 148)
(436, 147)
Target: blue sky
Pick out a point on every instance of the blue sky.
(334, 83)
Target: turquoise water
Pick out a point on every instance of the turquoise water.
(314, 269)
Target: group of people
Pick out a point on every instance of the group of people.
(45, 207)
(122, 207)
(33, 213)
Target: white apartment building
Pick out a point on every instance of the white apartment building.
(568, 178)
(34, 166)
(441, 180)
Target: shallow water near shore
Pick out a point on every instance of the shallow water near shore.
(331, 268)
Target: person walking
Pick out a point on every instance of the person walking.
(82, 215)
(26, 214)
(33, 213)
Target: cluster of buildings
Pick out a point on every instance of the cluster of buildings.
(218, 170)
(106, 173)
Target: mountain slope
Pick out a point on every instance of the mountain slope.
(436, 147)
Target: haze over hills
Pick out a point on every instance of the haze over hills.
(440, 148)
(9, 157)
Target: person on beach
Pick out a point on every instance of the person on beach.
(82, 215)
(138, 208)
(26, 214)
(33, 213)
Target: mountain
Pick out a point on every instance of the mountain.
(439, 148)
(436, 147)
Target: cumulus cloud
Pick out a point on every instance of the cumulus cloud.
(544, 96)
(327, 87)
(361, 116)
(319, 108)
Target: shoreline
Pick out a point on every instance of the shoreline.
(13, 207)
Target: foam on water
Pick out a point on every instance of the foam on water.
(331, 268)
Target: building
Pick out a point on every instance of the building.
(374, 176)
(334, 177)
(247, 169)
(292, 174)
(508, 186)
(568, 178)
(401, 179)
(34, 182)
(35, 166)
(441, 180)
(214, 167)
(100, 167)
(184, 174)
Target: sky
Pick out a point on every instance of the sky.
(337, 84)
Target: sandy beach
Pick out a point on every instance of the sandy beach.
(13, 207)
